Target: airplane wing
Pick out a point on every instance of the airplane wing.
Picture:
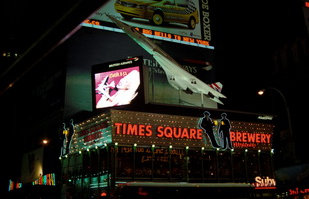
(176, 75)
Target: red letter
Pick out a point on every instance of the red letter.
(160, 131)
(251, 137)
(199, 134)
(263, 138)
(244, 137)
(141, 130)
(177, 132)
(118, 125)
(149, 131)
(238, 136)
(232, 136)
(192, 133)
(168, 134)
(185, 133)
(268, 136)
(257, 137)
(132, 129)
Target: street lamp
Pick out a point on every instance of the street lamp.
(262, 92)
(45, 141)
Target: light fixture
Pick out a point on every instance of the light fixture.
(261, 92)
(45, 141)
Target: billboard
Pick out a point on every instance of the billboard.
(209, 130)
(90, 135)
(159, 91)
(116, 83)
(205, 131)
(32, 165)
(181, 21)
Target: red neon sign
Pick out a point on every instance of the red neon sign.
(250, 137)
(297, 191)
(161, 131)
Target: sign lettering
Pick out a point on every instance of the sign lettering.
(264, 183)
(161, 131)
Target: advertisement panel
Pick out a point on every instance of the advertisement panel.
(32, 165)
(90, 134)
(180, 21)
(174, 130)
(116, 83)
(153, 129)
(159, 91)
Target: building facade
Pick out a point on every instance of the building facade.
(141, 151)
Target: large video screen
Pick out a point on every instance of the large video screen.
(117, 83)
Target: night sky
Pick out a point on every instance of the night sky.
(247, 35)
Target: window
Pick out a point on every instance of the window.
(161, 165)
(124, 162)
(253, 164)
(239, 166)
(143, 162)
(210, 165)
(224, 166)
(195, 165)
(266, 164)
(178, 164)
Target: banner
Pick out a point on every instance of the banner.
(32, 165)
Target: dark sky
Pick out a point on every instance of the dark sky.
(248, 32)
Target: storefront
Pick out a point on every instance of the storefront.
(119, 148)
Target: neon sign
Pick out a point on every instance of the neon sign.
(164, 130)
(264, 183)
(14, 185)
(161, 131)
(48, 179)
(245, 139)
(297, 191)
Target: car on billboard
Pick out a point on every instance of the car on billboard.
(159, 12)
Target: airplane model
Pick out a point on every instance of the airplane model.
(177, 77)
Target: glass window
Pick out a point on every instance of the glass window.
(125, 162)
(195, 167)
(94, 164)
(143, 162)
(266, 164)
(239, 166)
(178, 164)
(224, 166)
(86, 163)
(79, 164)
(103, 158)
(161, 165)
(210, 165)
(252, 164)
